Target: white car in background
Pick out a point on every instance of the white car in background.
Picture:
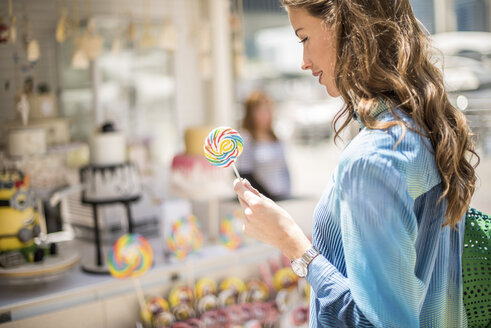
(465, 59)
(476, 45)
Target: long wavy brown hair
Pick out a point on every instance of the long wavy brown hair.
(382, 52)
(256, 98)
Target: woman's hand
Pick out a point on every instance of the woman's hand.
(269, 223)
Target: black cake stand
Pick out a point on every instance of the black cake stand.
(99, 265)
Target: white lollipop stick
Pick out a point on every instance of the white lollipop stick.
(139, 293)
(236, 172)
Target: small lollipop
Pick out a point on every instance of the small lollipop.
(130, 257)
(231, 230)
(185, 237)
(222, 147)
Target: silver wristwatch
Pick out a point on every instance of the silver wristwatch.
(300, 265)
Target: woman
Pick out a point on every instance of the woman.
(263, 162)
(387, 233)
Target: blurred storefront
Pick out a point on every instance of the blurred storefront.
(104, 106)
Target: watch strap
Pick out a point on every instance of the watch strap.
(306, 257)
(309, 255)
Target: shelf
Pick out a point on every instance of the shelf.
(79, 289)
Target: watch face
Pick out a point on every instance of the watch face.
(299, 269)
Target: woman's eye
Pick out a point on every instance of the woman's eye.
(303, 40)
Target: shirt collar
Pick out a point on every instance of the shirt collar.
(379, 106)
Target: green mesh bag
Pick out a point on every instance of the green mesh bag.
(476, 269)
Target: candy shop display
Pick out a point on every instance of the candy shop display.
(257, 291)
(156, 309)
(285, 278)
(26, 142)
(231, 230)
(205, 291)
(24, 256)
(108, 180)
(117, 182)
(107, 146)
(20, 221)
(181, 300)
(185, 237)
(291, 298)
(205, 286)
(233, 283)
(222, 147)
(109, 177)
(234, 302)
(230, 290)
(130, 256)
(191, 174)
(181, 295)
(207, 303)
(163, 319)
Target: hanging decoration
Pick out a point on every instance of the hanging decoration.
(116, 42)
(32, 45)
(62, 28)
(200, 35)
(168, 36)
(236, 27)
(4, 31)
(147, 40)
(12, 37)
(23, 108)
(79, 57)
(91, 41)
(130, 32)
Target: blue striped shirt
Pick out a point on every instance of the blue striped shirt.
(385, 259)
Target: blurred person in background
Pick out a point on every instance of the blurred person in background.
(262, 161)
(388, 231)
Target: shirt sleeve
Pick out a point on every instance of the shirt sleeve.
(379, 231)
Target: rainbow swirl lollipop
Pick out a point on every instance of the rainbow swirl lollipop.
(185, 237)
(231, 230)
(222, 147)
(130, 256)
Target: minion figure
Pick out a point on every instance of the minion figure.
(19, 222)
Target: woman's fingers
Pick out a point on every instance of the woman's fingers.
(242, 203)
(244, 206)
(251, 188)
(250, 197)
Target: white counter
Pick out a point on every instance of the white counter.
(86, 300)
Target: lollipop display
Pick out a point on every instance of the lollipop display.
(233, 302)
(185, 237)
(231, 230)
(284, 278)
(222, 147)
(205, 286)
(130, 256)
(157, 312)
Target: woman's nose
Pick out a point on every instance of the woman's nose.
(306, 65)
